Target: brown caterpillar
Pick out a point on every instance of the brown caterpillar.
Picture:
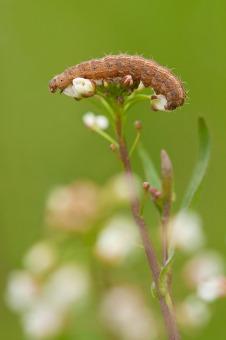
(150, 73)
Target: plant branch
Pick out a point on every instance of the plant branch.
(166, 308)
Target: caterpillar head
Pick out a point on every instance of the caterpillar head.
(58, 82)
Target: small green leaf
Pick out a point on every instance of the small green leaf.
(202, 163)
(154, 291)
(149, 169)
(163, 277)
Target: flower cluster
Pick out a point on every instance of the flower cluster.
(56, 279)
(203, 273)
(45, 291)
(51, 284)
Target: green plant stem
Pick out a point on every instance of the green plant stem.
(136, 141)
(135, 99)
(105, 136)
(166, 307)
(106, 104)
(164, 224)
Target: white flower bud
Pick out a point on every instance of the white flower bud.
(125, 313)
(40, 258)
(212, 289)
(22, 290)
(80, 88)
(73, 207)
(117, 240)
(69, 91)
(158, 102)
(186, 232)
(119, 189)
(83, 87)
(43, 321)
(203, 267)
(67, 285)
(102, 122)
(193, 312)
(92, 121)
(89, 119)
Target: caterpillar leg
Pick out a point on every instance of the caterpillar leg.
(127, 81)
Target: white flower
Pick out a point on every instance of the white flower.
(203, 267)
(40, 258)
(125, 313)
(186, 232)
(193, 312)
(69, 91)
(92, 121)
(117, 240)
(22, 290)
(80, 88)
(102, 122)
(141, 86)
(83, 87)
(158, 102)
(73, 207)
(67, 285)
(121, 190)
(89, 119)
(43, 321)
(212, 289)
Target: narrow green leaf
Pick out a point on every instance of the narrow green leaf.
(202, 163)
(163, 277)
(149, 169)
(154, 291)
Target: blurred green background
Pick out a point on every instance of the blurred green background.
(43, 142)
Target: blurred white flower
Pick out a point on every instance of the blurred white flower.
(158, 102)
(73, 207)
(67, 285)
(92, 121)
(203, 267)
(125, 313)
(43, 321)
(186, 232)
(120, 189)
(193, 312)
(22, 290)
(40, 258)
(89, 119)
(212, 289)
(117, 240)
(102, 122)
(80, 88)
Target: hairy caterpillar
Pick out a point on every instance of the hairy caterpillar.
(150, 73)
